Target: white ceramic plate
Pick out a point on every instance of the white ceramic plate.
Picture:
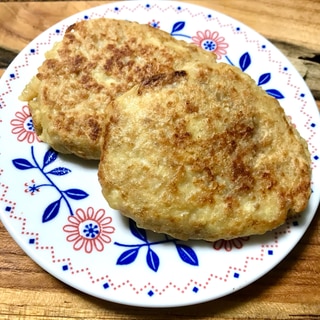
(52, 204)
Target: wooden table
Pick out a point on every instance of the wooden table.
(289, 291)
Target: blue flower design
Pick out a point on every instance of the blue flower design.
(154, 24)
(32, 187)
(29, 125)
(91, 230)
(209, 45)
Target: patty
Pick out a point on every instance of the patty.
(203, 153)
(97, 61)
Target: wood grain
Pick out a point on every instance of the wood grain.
(19, 25)
(289, 291)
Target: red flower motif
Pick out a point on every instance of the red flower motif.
(23, 126)
(211, 41)
(289, 118)
(154, 24)
(89, 230)
(228, 245)
(32, 187)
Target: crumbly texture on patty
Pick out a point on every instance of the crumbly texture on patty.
(97, 61)
(203, 153)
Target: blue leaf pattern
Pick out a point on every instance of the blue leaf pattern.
(128, 256)
(60, 171)
(275, 93)
(153, 260)
(187, 254)
(178, 26)
(76, 194)
(137, 232)
(49, 157)
(264, 78)
(22, 164)
(245, 61)
(51, 211)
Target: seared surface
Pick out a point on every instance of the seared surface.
(97, 61)
(203, 153)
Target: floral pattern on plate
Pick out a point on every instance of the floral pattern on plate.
(89, 229)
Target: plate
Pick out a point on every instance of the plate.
(52, 205)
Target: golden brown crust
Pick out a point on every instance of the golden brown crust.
(206, 155)
(96, 61)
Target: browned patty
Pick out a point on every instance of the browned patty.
(97, 61)
(203, 153)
